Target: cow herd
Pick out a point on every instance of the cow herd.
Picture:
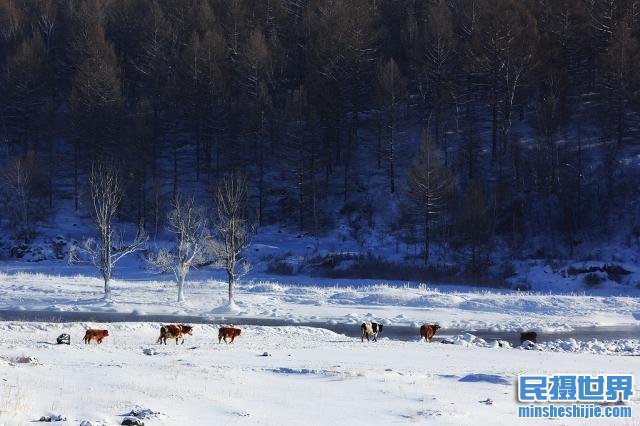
(228, 334)
(167, 331)
(370, 330)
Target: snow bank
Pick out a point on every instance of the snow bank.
(593, 346)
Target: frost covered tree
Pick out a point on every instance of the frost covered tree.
(105, 251)
(188, 223)
(232, 228)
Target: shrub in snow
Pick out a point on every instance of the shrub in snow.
(594, 279)
(522, 286)
(280, 267)
(86, 423)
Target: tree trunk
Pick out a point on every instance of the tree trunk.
(198, 143)
(301, 184)
(50, 176)
(107, 288)
(75, 178)
(494, 128)
(181, 287)
(379, 128)
(230, 280)
(175, 168)
(392, 170)
(313, 184)
(426, 238)
(261, 170)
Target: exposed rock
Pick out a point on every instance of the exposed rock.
(132, 421)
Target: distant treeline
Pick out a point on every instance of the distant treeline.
(527, 108)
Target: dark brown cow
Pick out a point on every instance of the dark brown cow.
(95, 334)
(532, 336)
(174, 331)
(427, 331)
(228, 333)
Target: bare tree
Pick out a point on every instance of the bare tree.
(188, 223)
(430, 182)
(392, 88)
(24, 187)
(232, 228)
(107, 250)
(503, 54)
(474, 226)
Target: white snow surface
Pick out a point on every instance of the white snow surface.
(309, 376)
(304, 299)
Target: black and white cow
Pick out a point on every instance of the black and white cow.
(370, 329)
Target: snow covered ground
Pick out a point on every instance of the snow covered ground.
(309, 376)
(320, 300)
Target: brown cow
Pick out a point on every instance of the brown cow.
(228, 333)
(174, 331)
(427, 331)
(95, 334)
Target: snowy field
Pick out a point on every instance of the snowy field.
(309, 376)
(321, 300)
